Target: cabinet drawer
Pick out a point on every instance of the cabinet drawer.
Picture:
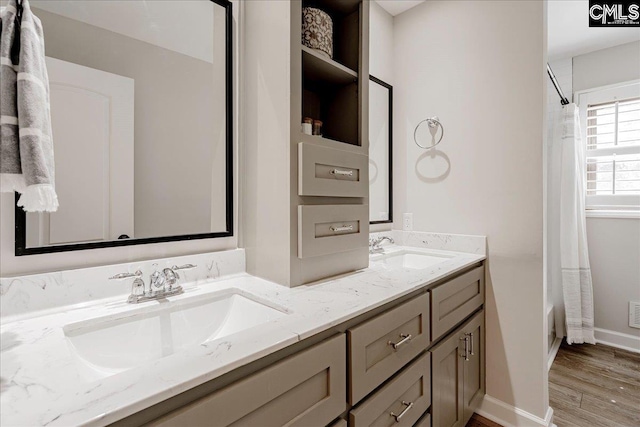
(453, 301)
(305, 389)
(372, 356)
(407, 396)
(328, 229)
(425, 421)
(324, 171)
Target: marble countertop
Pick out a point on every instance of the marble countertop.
(40, 383)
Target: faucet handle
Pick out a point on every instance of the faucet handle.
(183, 267)
(122, 276)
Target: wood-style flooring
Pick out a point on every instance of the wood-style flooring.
(478, 421)
(594, 386)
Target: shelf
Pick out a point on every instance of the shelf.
(335, 7)
(318, 68)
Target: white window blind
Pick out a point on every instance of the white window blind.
(611, 120)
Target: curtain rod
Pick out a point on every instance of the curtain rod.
(563, 99)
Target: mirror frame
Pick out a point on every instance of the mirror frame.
(21, 217)
(390, 89)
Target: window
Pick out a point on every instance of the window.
(611, 126)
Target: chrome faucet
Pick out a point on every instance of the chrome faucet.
(374, 244)
(162, 284)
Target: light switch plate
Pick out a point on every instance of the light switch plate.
(407, 222)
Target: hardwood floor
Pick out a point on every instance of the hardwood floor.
(478, 421)
(595, 385)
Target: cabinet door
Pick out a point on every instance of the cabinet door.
(474, 384)
(306, 389)
(446, 382)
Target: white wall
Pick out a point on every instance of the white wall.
(482, 71)
(381, 66)
(607, 66)
(614, 243)
(10, 265)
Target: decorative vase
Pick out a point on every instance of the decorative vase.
(317, 31)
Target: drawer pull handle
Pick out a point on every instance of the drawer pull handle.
(405, 338)
(339, 172)
(465, 355)
(470, 335)
(342, 229)
(408, 405)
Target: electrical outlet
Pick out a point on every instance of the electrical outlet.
(634, 314)
(407, 222)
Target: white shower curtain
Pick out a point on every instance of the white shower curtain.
(568, 253)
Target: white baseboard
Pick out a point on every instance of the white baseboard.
(510, 416)
(617, 339)
(553, 351)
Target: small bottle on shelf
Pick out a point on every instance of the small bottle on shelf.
(317, 127)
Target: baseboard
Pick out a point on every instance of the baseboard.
(510, 416)
(617, 339)
(553, 351)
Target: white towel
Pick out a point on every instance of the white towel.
(574, 256)
(26, 144)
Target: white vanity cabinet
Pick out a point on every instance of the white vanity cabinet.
(417, 361)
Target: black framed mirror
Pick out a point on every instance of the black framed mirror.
(142, 117)
(380, 151)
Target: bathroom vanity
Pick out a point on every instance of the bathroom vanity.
(400, 342)
(418, 360)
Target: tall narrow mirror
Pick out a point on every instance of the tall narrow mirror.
(141, 115)
(380, 151)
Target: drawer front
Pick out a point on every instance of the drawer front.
(326, 171)
(305, 389)
(406, 397)
(372, 356)
(453, 301)
(425, 421)
(328, 229)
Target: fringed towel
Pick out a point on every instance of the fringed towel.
(26, 145)
(574, 255)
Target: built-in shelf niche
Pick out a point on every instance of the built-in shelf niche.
(330, 85)
(345, 15)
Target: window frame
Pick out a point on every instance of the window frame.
(615, 205)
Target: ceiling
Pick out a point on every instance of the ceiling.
(569, 33)
(396, 7)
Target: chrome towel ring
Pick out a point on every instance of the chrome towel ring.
(434, 124)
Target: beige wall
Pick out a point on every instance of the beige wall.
(479, 66)
(10, 265)
(614, 243)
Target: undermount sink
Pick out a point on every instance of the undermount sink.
(411, 259)
(107, 346)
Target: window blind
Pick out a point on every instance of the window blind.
(613, 151)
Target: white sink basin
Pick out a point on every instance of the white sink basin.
(107, 346)
(411, 259)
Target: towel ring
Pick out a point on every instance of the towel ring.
(432, 122)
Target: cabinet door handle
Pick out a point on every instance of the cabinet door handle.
(405, 338)
(342, 229)
(470, 335)
(408, 405)
(338, 172)
(465, 355)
